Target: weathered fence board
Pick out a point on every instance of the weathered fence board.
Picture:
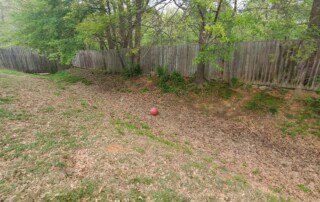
(25, 60)
(262, 62)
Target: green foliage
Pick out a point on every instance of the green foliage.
(264, 102)
(173, 82)
(132, 70)
(41, 25)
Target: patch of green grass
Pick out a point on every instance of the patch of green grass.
(264, 102)
(137, 196)
(67, 77)
(84, 192)
(306, 122)
(11, 72)
(12, 147)
(142, 180)
(273, 198)
(13, 116)
(168, 195)
(241, 180)
(256, 171)
(289, 128)
(57, 93)
(224, 169)
(141, 129)
(120, 131)
(48, 109)
(140, 150)
(61, 86)
(304, 188)
(207, 158)
(144, 90)
(217, 88)
(313, 105)
(71, 112)
(145, 126)
(84, 103)
(192, 165)
(5, 100)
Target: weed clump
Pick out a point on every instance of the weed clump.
(133, 70)
(264, 102)
(313, 104)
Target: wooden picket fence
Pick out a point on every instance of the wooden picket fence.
(261, 62)
(24, 59)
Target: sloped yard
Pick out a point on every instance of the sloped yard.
(68, 137)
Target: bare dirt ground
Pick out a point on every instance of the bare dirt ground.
(85, 142)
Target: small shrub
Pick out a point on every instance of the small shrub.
(264, 102)
(133, 70)
(177, 78)
(170, 82)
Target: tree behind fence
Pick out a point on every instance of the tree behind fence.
(23, 59)
(262, 62)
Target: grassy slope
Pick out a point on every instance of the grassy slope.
(66, 145)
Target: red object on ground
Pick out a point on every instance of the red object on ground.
(154, 111)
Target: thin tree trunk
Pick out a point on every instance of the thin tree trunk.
(315, 15)
(111, 44)
(200, 77)
(138, 31)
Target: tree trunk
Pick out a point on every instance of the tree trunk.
(111, 44)
(200, 77)
(122, 25)
(138, 31)
(314, 22)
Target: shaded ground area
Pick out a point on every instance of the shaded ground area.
(94, 139)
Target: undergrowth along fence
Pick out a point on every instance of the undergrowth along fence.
(23, 59)
(261, 62)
